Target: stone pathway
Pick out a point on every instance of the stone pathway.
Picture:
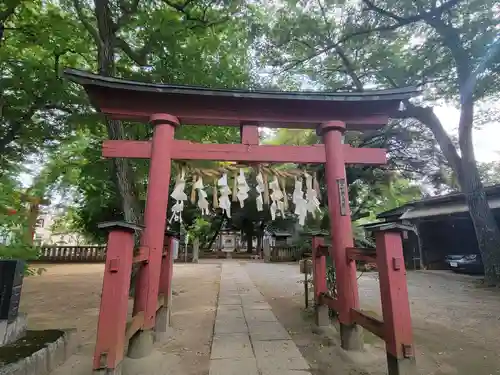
(248, 339)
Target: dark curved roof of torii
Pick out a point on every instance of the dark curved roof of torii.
(125, 99)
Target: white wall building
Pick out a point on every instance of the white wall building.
(45, 235)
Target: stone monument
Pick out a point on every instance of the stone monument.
(12, 323)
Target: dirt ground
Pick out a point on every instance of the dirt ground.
(67, 296)
(456, 324)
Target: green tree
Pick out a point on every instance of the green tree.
(448, 48)
(37, 108)
(135, 37)
(490, 173)
(192, 43)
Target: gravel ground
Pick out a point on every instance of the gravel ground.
(456, 323)
(67, 296)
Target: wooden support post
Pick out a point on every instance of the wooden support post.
(164, 313)
(341, 233)
(148, 278)
(196, 250)
(110, 344)
(321, 316)
(395, 305)
(249, 134)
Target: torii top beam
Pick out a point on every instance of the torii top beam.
(124, 99)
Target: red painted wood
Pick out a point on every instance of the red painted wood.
(185, 150)
(166, 274)
(142, 255)
(209, 110)
(365, 255)
(319, 269)
(393, 292)
(126, 149)
(249, 134)
(163, 118)
(371, 323)
(372, 122)
(331, 302)
(148, 278)
(322, 250)
(367, 156)
(112, 322)
(340, 224)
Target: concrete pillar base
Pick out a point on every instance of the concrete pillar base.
(13, 331)
(109, 371)
(162, 325)
(402, 366)
(141, 344)
(351, 337)
(321, 317)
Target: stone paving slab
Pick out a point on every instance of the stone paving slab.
(242, 366)
(230, 301)
(248, 339)
(224, 315)
(279, 355)
(283, 372)
(256, 306)
(234, 326)
(259, 316)
(263, 331)
(236, 345)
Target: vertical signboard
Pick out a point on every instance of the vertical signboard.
(175, 248)
(342, 196)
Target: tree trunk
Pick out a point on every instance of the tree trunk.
(214, 237)
(465, 167)
(249, 243)
(259, 243)
(485, 226)
(106, 63)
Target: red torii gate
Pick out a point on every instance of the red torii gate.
(166, 107)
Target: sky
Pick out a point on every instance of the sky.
(485, 139)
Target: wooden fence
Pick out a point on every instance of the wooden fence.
(72, 254)
(90, 254)
(286, 253)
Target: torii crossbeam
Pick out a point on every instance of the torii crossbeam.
(167, 107)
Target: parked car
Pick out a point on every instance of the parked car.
(469, 263)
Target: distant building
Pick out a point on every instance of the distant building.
(442, 227)
(46, 235)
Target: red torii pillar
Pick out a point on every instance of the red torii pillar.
(152, 239)
(163, 149)
(341, 233)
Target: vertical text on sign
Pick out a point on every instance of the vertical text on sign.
(342, 196)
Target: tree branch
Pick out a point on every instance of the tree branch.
(9, 11)
(137, 56)
(83, 19)
(183, 8)
(4, 15)
(349, 67)
(434, 12)
(400, 22)
(427, 116)
(128, 10)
